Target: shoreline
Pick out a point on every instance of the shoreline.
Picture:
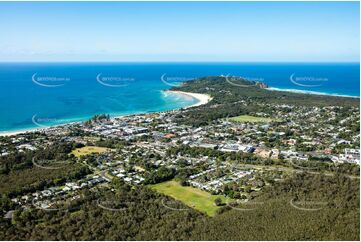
(201, 97)
(201, 100)
(23, 131)
(309, 92)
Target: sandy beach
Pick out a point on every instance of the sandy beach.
(202, 98)
(309, 92)
(15, 132)
(10, 133)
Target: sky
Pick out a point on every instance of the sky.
(180, 31)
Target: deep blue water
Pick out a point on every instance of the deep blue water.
(42, 94)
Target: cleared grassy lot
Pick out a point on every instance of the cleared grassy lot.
(252, 119)
(192, 197)
(86, 150)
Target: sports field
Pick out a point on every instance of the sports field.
(252, 119)
(192, 197)
(86, 150)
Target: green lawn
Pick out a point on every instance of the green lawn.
(252, 119)
(192, 197)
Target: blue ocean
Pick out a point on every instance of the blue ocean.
(36, 95)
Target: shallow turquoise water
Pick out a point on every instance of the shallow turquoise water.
(56, 93)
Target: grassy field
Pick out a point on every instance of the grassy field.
(86, 150)
(192, 197)
(252, 119)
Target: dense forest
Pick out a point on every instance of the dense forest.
(327, 209)
(139, 213)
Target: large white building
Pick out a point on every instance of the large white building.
(352, 155)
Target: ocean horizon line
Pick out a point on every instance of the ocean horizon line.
(177, 62)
